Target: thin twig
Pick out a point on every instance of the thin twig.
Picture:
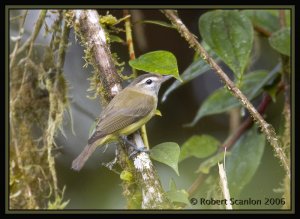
(262, 31)
(282, 21)
(30, 41)
(234, 119)
(34, 34)
(129, 41)
(21, 32)
(62, 47)
(195, 185)
(266, 128)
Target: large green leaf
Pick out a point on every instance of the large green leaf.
(263, 19)
(222, 100)
(167, 153)
(160, 62)
(280, 41)
(244, 160)
(199, 146)
(197, 68)
(230, 34)
(115, 38)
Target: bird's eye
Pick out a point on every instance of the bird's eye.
(149, 81)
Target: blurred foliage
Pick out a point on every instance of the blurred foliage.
(280, 41)
(244, 160)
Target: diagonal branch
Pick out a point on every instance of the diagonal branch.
(266, 128)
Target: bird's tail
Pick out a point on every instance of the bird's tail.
(78, 163)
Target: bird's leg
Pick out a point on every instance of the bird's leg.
(136, 149)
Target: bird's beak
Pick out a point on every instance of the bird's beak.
(166, 77)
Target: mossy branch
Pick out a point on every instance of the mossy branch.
(62, 48)
(21, 32)
(266, 128)
(93, 38)
(285, 79)
(32, 38)
(92, 35)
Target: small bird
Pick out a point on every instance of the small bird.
(126, 113)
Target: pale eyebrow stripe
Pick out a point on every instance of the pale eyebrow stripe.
(144, 80)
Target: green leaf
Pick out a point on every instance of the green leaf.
(197, 68)
(210, 162)
(280, 41)
(176, 195)
(114, 38)
(160, 62)
(272, 91)
(160, 23)
(58, 202)
(167, 153)
(244, 160)
(222, 100)
(263, 19)
(199, 146)
(230, 34)
(272, 88)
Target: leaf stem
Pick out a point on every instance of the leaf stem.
(129, 40)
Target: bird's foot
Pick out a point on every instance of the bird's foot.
(136, 149)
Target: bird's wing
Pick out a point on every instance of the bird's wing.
(131, 111)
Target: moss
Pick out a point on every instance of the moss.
(38, 97)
